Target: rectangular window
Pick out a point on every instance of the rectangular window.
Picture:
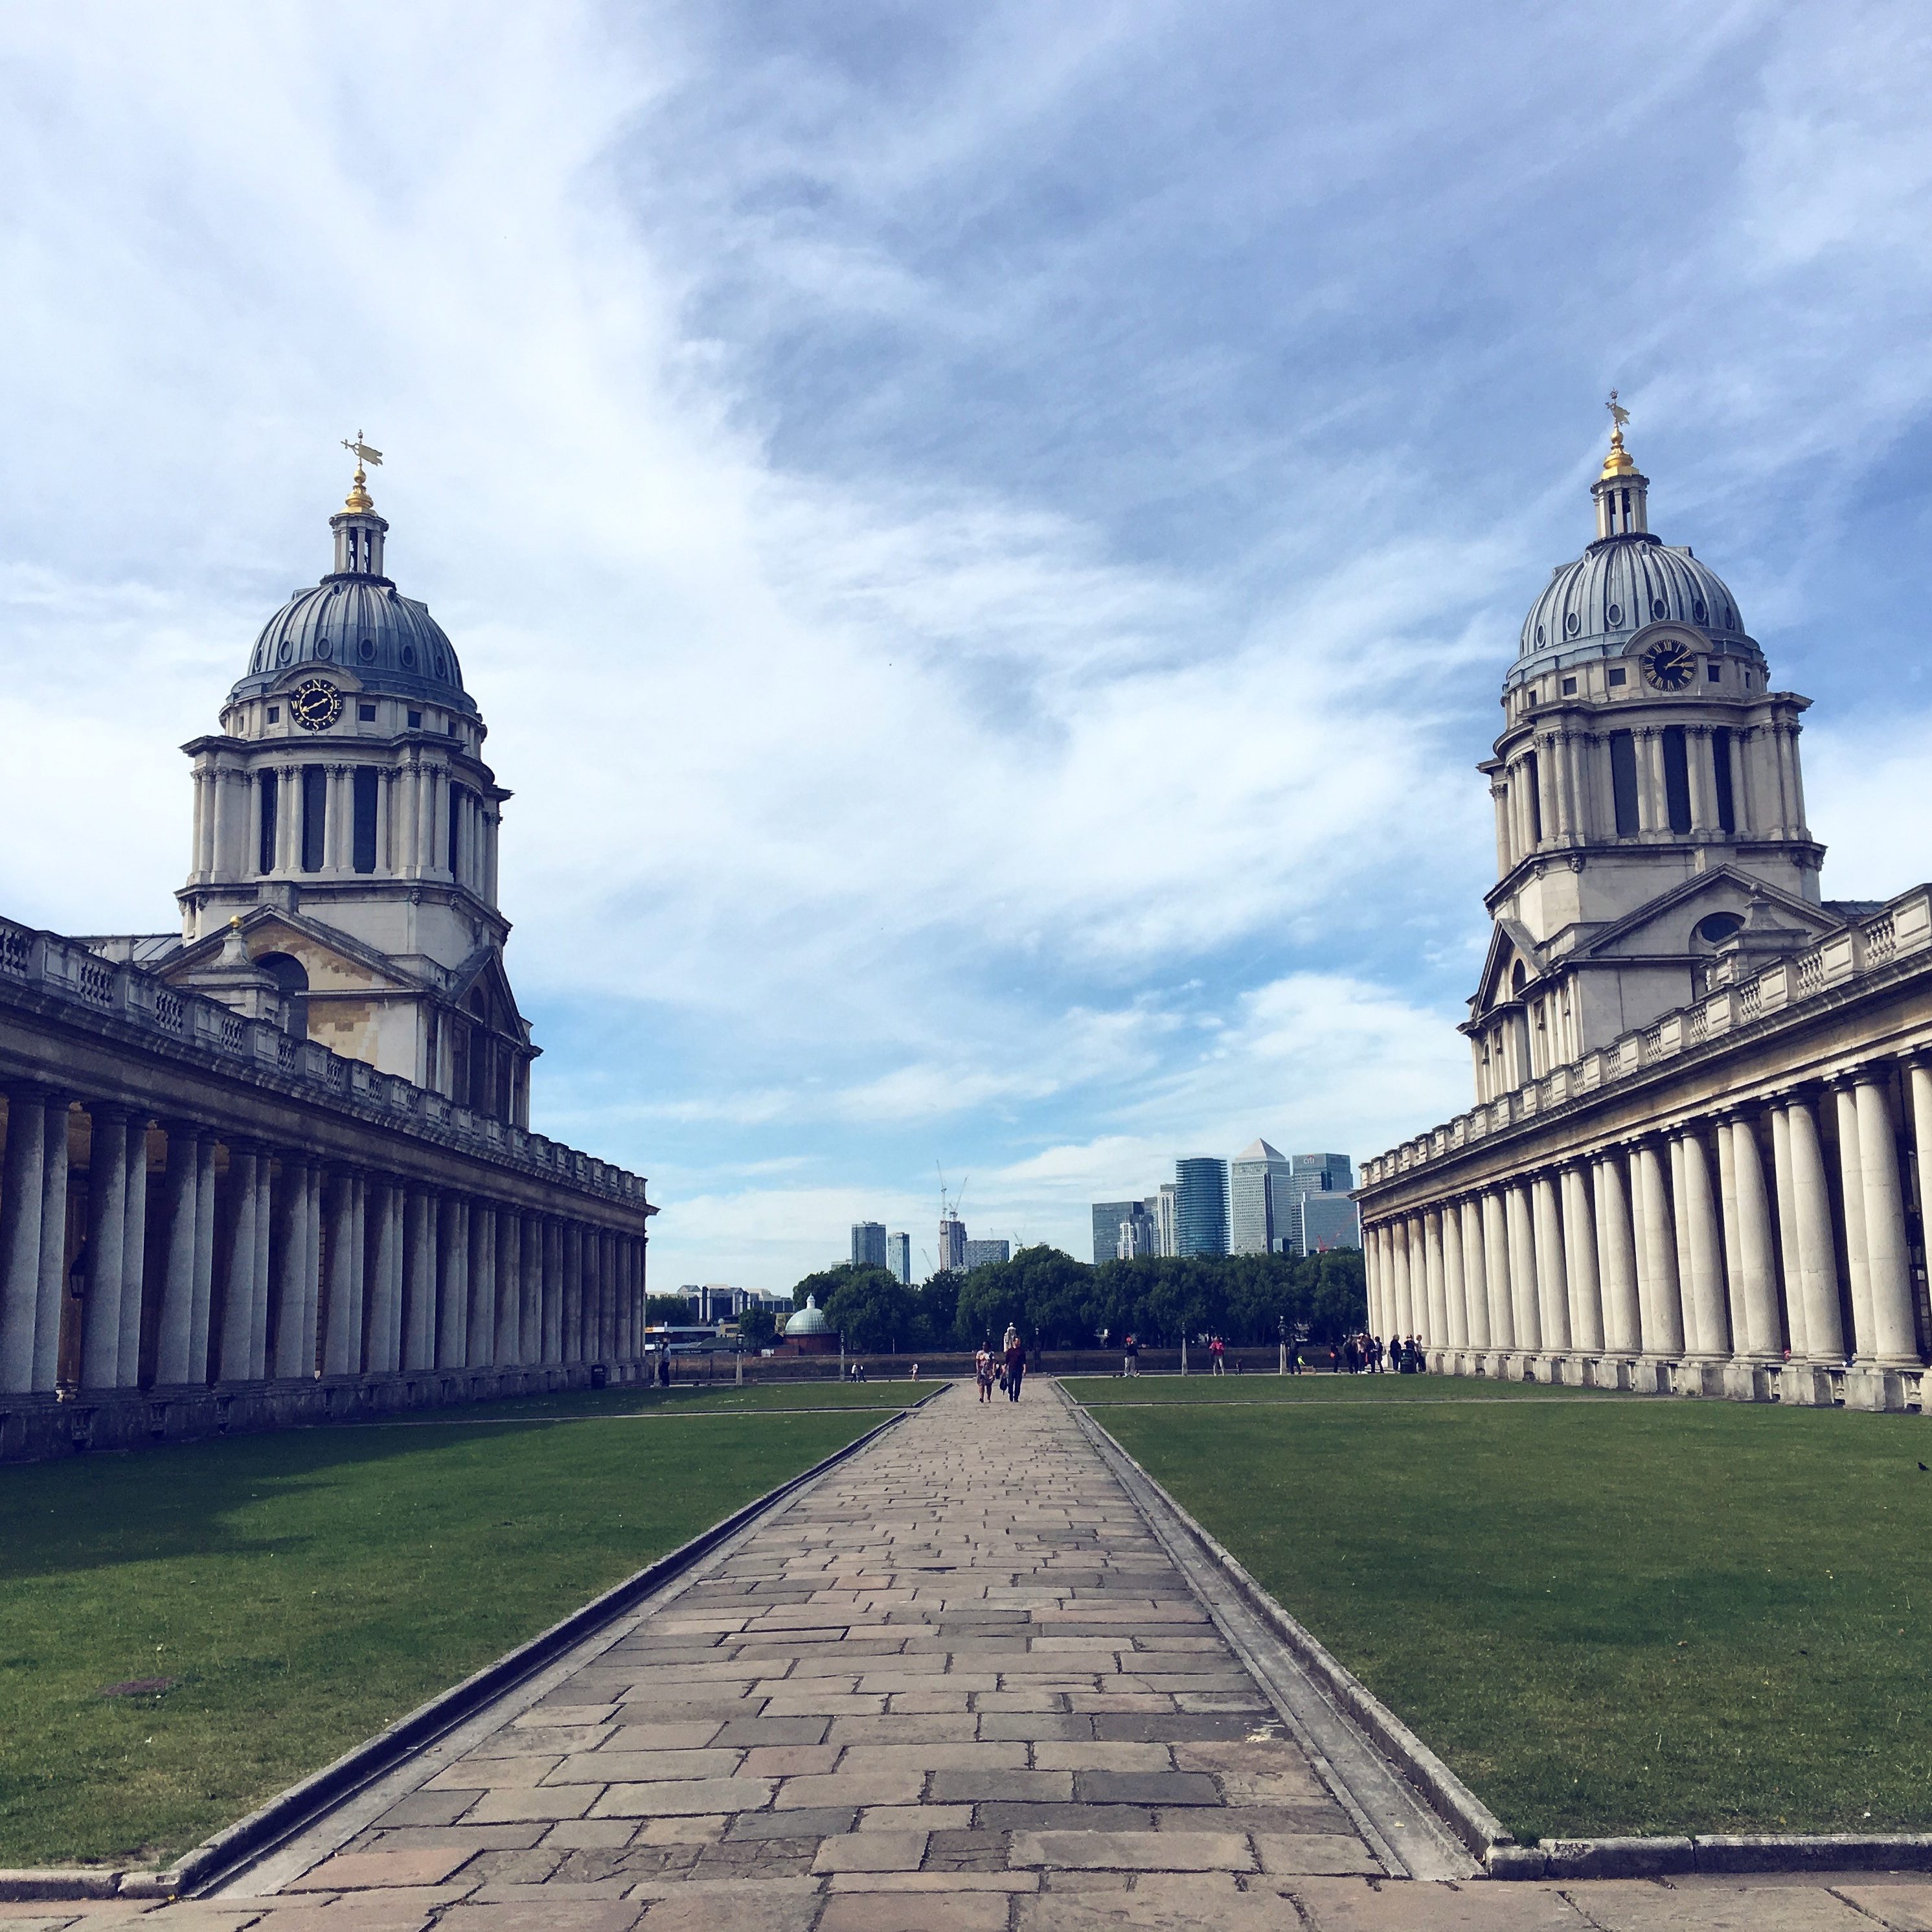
(270, 786)
(1714, 672)
(366, 713)
(1616, 674)
(366, 782)
(1623, 782)
(456, 797)
(1535, 799)
(416, 721)
(1676, 779)
(1720, 774)
(274, 714)
(1569, 687)
(314, 816)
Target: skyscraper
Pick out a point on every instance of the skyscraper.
(1329, 1221)
(1164, 1207)
(952, 1243)
(1309, 1175)
(1201, 1183)
(898, 1258)
(1137, 1238)
(978, 1253)
(1251, 1223)
(1107, 1215)
(869, 1244)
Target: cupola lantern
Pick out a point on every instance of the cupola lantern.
(1620, 489)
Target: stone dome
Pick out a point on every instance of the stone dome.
(810, 1320)
(355, 620)
(1621, 583)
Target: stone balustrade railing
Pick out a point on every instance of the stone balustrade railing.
(1904, 927)
(45, 963)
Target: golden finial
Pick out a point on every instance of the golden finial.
(1618, 462)
(234, 922)
(358, 497)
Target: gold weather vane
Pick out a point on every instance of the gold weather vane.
(1619, 461)
(359, 498)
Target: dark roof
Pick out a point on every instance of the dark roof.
(364, 624)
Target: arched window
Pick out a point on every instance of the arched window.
(291, 978)
(1518, 980)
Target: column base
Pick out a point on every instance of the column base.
(1809, 1385)
(1606, 1372)
(1547, 1370)
(1880, 1390)
(1700, 1378)
(1752, 1381)
(1650, 1374)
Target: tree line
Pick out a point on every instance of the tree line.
(1056, 1302)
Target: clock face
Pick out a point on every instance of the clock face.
(1669, 666)
(315, 704)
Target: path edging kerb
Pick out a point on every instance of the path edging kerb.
(216, 1858)
(1483, 1832)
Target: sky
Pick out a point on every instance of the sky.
(987, 538)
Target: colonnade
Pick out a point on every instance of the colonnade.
(180, 1256)
(1787, 1225)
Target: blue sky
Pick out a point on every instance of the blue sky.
(987, 537)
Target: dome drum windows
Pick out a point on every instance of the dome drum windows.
(1615, 615)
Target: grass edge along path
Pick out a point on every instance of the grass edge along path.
(1628, 1615)
(305, 1588)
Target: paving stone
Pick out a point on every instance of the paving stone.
(1057, 1756)
(690, 1797)
(552, 1915)
(1324, 1854)
(1479, 1905)
(853, 1788)
(998, 1726)
(1144, 1787)
(815, 1821)
(968, 1787)
(502, 1807)
(872, 1851)
(789, 1760)
(1714, 1905)
(583, 1833)
(762, 1909)
(749, 1731)
(889, 1911)
(1068, 1817)
(1134, 1851)
(640, 1767)
(467, 1838)
(1899, 1908)
(429, 1807)
(990, 1758)
(898, 1727)
(356, 1871)
(488, 1774)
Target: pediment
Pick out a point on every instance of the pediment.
(333, 961)
(1666, 927)
(1511, 946)
(480, 987)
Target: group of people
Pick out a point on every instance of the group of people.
(1369, 1355)
(1004, 1366)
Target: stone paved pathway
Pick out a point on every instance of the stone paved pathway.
(956, 1685)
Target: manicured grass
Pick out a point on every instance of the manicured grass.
(681, 1399)
(1245, 1391)
(1617, 1615)
(307, 1588)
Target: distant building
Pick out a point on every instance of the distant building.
(978, 1253)
(869, 1244)
(715, 1302)
(1200, 1182)
(1138, 1237)
(951, 1244)
(1310, 1175)
(898, 1258)
(1107, 1215)
(1164, 1207)
(1329, 1221)
(1252, 1229)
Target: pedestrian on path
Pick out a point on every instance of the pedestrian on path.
(1015, 1364)
(1133, 1367)
(1217, 1350)
(982, 1372)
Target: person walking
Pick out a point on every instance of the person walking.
(1015, 1364)
(1217, 1350)
(982, 1372)
(1133, 1355)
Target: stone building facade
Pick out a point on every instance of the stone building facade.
(1702, 1134)
(277, 1167)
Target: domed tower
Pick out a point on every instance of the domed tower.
(1648, 799)
(345, 814)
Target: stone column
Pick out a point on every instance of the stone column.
(573, 1292)
(133, 1250)
(1817, 1253)
(1707, 1321)
(1918, 1075)
(1520, 1219)
(1400, 1273)
(483, 1287)
(1659, 1290)
(21, 1181)
(418, 1279)
(293, 1286)
(1371, 1283)
(1579, 1260)
(509, 1350)
(1553, 1282)
(1785, 1187)
(1727, 1199)
(1454, 1275)
(1436, 1332)
(1475, 1272)
(207, 1240)
(552, 1290)
(346, 1205)
(1762, 1337)
(385, 1250)
(237, 1292)
(1894, 1327)
(402, 827)
(530, 1349)
(1496, 1258)
(181, 1189)
(258, 1329)
(53, 1243)
(1852, 1196)
(452, 1333)
(106, 1238)
(1653, 811)
(1616, 1259)
(1697, 759)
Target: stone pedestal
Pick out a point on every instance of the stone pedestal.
(1751, 1381)
(1650, 1374)
(1882, 1390)
(1704, 1378)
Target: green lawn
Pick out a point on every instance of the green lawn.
(307, 1588)
(1609, 1615)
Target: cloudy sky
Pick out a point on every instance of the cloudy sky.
(987, 536)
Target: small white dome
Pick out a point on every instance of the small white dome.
(808, 1320)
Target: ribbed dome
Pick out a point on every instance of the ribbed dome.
(361, 624)
(1621, 583)
(809, 1320)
